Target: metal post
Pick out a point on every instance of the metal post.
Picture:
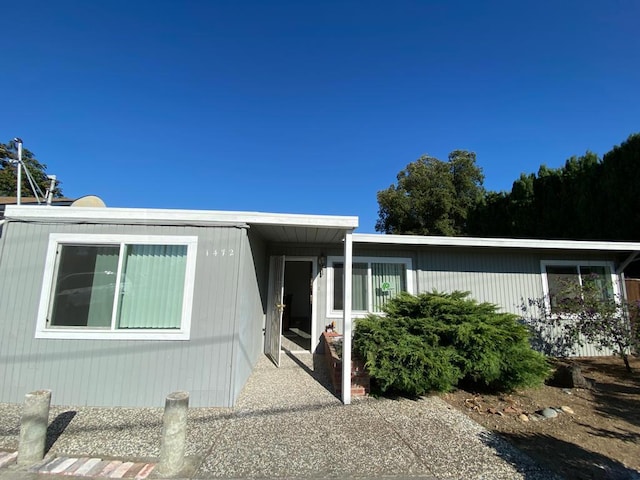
(174, 434)
(346, 319)
(33, 426)
(19, 185)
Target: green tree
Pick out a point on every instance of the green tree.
(620, 202)
(587, 199)
(432, 197)
(8, 154)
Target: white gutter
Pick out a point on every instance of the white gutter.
(440, 241)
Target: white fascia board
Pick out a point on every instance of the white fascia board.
(439, 241)
(169, 216)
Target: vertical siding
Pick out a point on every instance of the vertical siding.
(251, 301)
(117, 372)
(504, 279)
(507, 278)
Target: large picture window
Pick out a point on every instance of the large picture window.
(99, 286)
(374, 281)
(563, 279)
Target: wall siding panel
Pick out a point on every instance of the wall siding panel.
(118, 372)
(251, 300)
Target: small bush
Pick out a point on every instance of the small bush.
(436, 341)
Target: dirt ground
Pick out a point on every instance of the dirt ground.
(600, 439)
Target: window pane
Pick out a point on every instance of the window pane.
(152, 286)
(389, 279)
(598, 278)
(564, 285)
(359, 286)
(85, 286)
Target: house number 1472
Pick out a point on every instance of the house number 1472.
(223, 252)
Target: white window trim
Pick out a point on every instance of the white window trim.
(575, 263)
(331, 313)
(55, 239)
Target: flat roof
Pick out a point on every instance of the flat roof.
(152, 216)
(175, 216)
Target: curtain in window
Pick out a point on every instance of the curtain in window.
(388, 280)
(152, 286)
(358, 285)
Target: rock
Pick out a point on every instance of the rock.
(566, 409)
(536, 417)
(523, 417)
(570, 376)
(548, 413)
(567, 391)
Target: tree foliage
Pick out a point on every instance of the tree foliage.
(435, 341)
(8, 184)
(588, 199)
(432, 197)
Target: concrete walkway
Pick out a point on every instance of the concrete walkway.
(288, 424)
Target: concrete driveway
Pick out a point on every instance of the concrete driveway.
(288, 424)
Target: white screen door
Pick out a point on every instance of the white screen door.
(275, 309)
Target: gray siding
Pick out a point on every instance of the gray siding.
(504, 277)
(252, 297)
(115, 372)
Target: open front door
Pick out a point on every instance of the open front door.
(275, 308)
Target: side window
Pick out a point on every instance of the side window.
(374, 282)
(564, 282)
(111, 286)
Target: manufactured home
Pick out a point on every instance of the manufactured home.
(118, 307)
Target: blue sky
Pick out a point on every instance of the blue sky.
(310, 107)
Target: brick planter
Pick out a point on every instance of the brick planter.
(359, 377)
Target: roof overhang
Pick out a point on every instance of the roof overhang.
(281, 227)
(476, 242)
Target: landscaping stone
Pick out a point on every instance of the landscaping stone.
(570, 376)
(548, 413)
(567, 409)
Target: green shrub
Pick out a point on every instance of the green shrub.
(436, 341)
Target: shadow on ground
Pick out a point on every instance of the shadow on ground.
(57, 427)
(569, 460)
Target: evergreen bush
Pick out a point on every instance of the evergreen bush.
(437, 341)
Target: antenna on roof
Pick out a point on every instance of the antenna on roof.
(32, 183)
(19, 174)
